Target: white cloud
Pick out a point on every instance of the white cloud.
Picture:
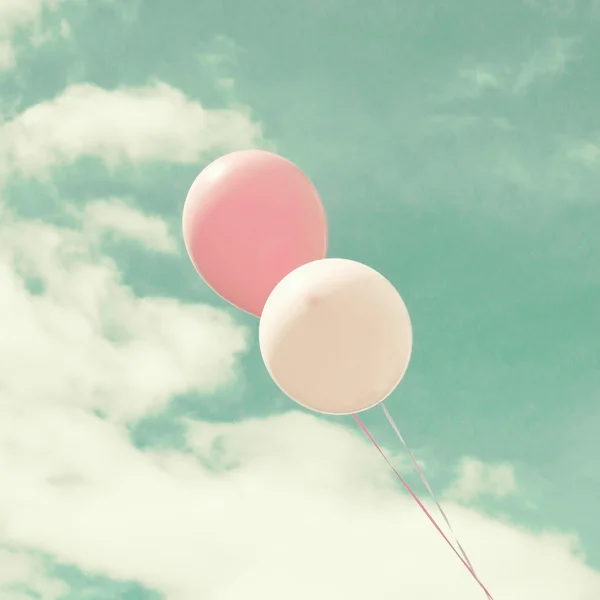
(22, 574)
(65, 29)
(297, 508)
(476, 479)
(115, 216)
(547, 62)
(145, 124)
(19, 16)
(87, 340)
(586, 152)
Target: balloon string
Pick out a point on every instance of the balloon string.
(421, 505)
(426, 483)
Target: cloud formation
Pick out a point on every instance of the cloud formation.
(586, 152)
(23, 16)
(74, 333)
(80, 351)
(156, 123)
(118, 218)
(252, 513)
(21, 573)
(476, 479)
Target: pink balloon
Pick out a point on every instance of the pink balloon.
(249, 219)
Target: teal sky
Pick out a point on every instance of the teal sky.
(456, 148)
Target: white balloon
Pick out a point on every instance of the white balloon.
(336, 336)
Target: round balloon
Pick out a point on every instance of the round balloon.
(336, 336)
(249, 219)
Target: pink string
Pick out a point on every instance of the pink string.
(421, 505)
(425, 482)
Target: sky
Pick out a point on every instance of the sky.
(144, 452)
